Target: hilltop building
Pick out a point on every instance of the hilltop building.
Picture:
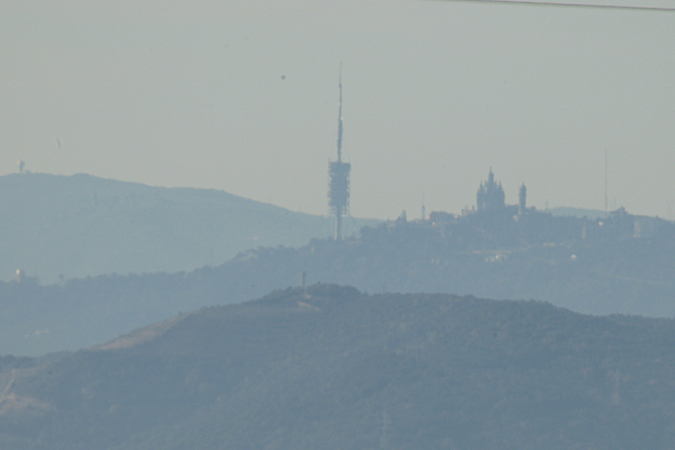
(496, 229)
(490, 196)
(522, 200)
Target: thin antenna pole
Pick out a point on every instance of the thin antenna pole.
(424, 210)
(339, 141)
(605, 182)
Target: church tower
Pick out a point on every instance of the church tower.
(522, 199)
(490, 196)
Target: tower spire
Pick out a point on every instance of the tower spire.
(338, 177)
(339, 140)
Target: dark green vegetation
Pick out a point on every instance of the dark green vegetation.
(331, 368)
(591, 266)
(57, 227)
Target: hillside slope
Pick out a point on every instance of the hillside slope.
(331, 368)
(58, 227)
(544, 257)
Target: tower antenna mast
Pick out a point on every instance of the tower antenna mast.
(338, 177)
(605, 182)
(339, 140)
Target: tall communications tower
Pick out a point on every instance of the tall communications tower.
(338, 178)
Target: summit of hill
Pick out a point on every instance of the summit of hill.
(329, 367)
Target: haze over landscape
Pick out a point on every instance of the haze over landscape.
(242, 96)
(381, 225)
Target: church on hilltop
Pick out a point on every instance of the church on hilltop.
(490, 196)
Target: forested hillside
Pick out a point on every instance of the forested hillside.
(589, 266)
(331, 368)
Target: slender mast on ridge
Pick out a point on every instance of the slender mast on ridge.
(338, 175)
(339, 140)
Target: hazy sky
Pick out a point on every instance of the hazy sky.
(242, 96)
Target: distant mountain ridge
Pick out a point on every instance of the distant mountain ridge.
(329, 367)
(60, 227)
(620, 264)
